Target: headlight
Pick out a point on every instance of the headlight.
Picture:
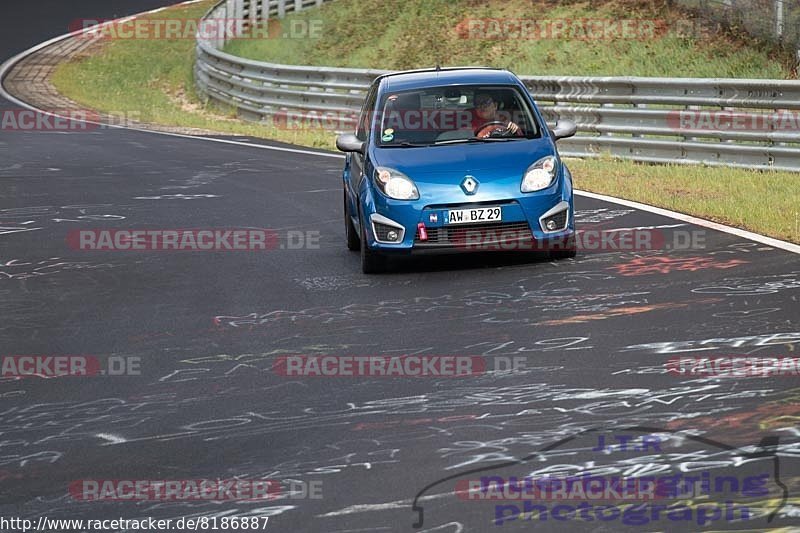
(395, 184)
(540, 175)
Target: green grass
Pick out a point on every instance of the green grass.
(737, 197)
(153, 79)
(420, 33)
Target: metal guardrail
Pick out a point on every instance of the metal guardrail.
(730, 122)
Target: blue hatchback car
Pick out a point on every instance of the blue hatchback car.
(454, 160)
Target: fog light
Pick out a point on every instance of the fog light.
(551, 225)
(392, 235)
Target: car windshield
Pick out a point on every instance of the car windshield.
(454, 114)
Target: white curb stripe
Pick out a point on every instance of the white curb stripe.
(783, 245)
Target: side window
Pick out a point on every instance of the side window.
(366, 113)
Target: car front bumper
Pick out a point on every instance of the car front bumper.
(420, 228)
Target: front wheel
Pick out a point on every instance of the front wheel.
(567, 252)
(563, 254)
(371, 262)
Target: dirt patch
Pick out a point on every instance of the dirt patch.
(30, 80)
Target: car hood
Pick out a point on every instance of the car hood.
(511, 156)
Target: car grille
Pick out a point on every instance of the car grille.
(475, 233)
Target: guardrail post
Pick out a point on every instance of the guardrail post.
(252, 14)
(638, 106)
(230, 11)
(693, 108)
(220, 26)
(281, 8)
(265, 9)
(239, 22)
(238, 11)
(606, 134)
(298, 5)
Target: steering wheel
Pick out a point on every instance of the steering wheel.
(495, 128)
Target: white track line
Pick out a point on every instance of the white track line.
(783, 245)
(8, 64)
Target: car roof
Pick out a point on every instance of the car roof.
(418, 79)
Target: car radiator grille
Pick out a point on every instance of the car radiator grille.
(475, 233)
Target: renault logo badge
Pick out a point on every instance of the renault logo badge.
(469, 185)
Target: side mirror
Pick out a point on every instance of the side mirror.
(348, 142)
(564, 129)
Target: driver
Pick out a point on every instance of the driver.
(486, 111)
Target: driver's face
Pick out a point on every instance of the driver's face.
(485, 107)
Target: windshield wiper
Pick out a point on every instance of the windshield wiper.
(405, 144)
(480, 140)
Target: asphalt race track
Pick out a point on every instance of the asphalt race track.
(594, 336)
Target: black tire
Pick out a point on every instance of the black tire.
(353, 242)
(371, 262)
(569, 251)
(563, 254)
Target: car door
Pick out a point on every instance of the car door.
(362, 133)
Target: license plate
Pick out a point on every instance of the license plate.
(480, 214)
